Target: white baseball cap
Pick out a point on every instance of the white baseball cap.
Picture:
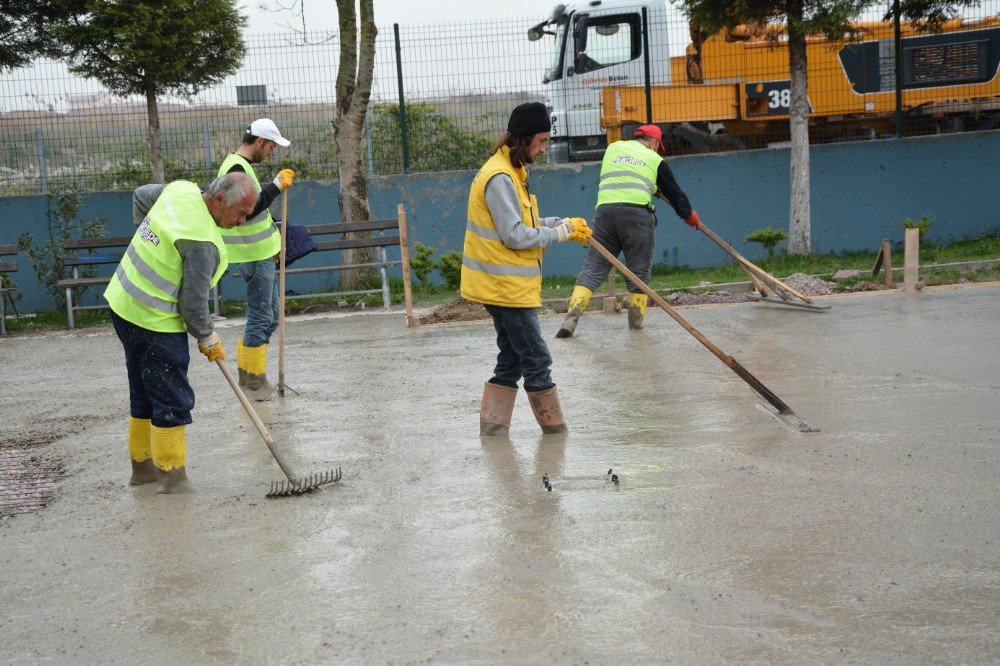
(266, 129)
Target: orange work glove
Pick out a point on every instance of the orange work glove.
(692, 220)
(211, 347)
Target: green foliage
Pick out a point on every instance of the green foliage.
(767, 237)
(436, 142)
(148, 46)
(450, 267)
(130, 174)
(49, 259)
(422, 263)
(22, 30)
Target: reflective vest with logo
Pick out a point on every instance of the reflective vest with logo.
(257, 238)
(628, 174)
(145, 288)
(493, 273)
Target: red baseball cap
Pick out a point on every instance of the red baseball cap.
(653, 132)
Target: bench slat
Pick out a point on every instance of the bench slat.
(339, 267)
(353, 243)
(83, 282)
(349, 227)
(8, 249)
(8, 267)
(93, 243)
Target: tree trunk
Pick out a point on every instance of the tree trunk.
(153, 136)
(354, 86)
(798, 219)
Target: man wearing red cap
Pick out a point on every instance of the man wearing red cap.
(505, 238)
(631, 174)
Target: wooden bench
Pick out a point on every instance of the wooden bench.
(5, 291)
(333, 237)
(87, 253)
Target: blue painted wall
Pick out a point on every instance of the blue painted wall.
(860, 194)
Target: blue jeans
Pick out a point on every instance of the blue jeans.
(523, 352)
(157, 363)
(262, 301)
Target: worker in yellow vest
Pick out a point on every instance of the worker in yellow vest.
(255, 246)
(159, 295)
(631, 174)
(505, 239)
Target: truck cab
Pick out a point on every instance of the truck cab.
(596, 44)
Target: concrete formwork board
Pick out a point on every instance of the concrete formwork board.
(729, 538)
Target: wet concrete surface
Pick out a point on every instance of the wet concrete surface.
(730, 537)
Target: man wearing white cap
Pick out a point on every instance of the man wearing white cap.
(633, 171)
(255, 245)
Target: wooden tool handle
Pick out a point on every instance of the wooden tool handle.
(253, 417)
(281, 293)
(742, 372)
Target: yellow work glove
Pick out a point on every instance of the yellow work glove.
(211, 347)
(580, 233)
(284, 179)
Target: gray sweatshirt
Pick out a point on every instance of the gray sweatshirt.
(200, 260)
(505, 207)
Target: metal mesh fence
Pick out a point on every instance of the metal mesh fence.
(460, 81)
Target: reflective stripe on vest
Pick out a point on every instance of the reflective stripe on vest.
(493, 273)
(256, 239)
(146, 285)
(628, 174)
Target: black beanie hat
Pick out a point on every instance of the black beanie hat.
(529, 119)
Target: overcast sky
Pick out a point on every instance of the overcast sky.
(322, 14)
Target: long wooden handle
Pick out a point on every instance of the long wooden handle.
(743, 373)
(281, 293)
(253, 417)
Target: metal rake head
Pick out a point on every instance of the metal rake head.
(304, 485)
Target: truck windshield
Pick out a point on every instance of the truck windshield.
(555, 69)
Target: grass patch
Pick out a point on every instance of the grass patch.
(665, 277)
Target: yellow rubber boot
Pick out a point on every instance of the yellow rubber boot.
(240, 363)
(255, 363)
(636, 310)
(578, 302)
(169, 450)
(143, 470)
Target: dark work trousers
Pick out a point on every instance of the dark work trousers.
(523, 352)
(158, 387)
(620, 229)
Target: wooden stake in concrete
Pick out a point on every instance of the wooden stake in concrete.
(911, 260)
(610, 303)
(412, 320)
(884, 261)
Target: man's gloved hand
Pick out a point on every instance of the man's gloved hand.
(284, 179)
(211, 347)
(580, 233)
(574, 229)
(692, 220)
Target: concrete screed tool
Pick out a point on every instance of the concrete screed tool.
(774, 403)
(765, 283)
(293, 485)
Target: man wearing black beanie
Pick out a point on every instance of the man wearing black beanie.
(502, 268)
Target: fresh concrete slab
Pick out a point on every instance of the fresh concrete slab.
(729, 538)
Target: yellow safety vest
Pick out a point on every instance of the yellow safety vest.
(493, 273)
(628, 174)
(145, 288)
(257, 238)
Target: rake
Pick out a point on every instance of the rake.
(292, 485)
